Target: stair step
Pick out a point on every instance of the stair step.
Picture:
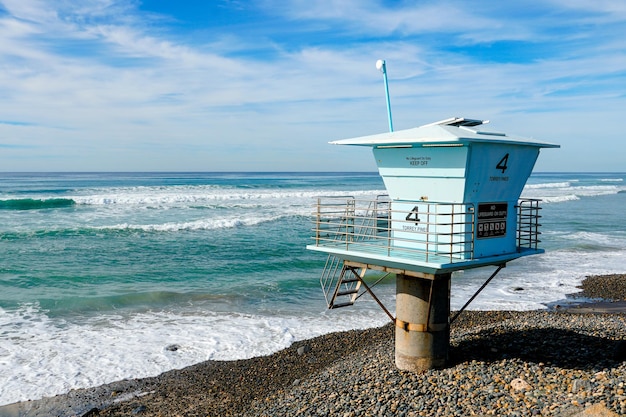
(349, 280)
(347, 292)
(339, 305)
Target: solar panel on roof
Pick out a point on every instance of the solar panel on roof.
(465, 122)
(458, 122)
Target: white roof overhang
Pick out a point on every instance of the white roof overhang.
(450, 131)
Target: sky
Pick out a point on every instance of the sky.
(234, 85)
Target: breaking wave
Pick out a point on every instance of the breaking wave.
(36, 204)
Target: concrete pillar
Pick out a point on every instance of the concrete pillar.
(422, 330)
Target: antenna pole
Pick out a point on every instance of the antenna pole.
(382, 66)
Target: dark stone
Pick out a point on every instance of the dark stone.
(172, 348)
(91, 413)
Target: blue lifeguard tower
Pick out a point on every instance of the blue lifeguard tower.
(453, 203)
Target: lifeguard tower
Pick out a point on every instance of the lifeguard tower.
(453, 203)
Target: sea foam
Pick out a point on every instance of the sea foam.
(71, 355)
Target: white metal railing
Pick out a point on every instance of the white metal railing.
(528, 223)
(411, 229)
(416, 229)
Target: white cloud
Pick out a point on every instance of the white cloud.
(610, 10)
(100, 82)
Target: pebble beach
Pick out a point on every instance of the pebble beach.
(562, 362)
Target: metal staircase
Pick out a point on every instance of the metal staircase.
(341, 283)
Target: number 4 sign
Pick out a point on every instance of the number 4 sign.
(413, 215)
(503, 163)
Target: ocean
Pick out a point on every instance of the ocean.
(107, 276)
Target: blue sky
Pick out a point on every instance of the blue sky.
(162, 85)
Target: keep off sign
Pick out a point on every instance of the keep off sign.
(491, 220)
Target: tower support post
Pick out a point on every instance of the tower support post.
(422, 322)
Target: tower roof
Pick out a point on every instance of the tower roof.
(449, 131)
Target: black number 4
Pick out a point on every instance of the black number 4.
(502, 164)
(413, 215)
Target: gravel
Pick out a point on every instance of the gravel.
(608, 287)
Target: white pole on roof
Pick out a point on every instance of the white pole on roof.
(381, 66)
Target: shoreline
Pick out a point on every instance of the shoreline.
(571, 359)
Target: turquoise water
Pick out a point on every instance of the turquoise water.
(101, 272)
(85, 244)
